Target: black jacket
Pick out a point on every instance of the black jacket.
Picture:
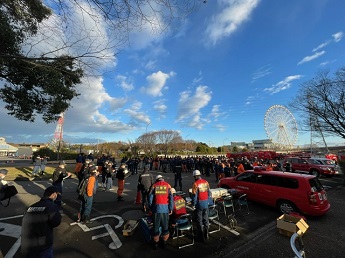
(37, 226)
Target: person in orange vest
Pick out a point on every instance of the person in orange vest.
(200, 201)
(240, 168)
(161, 204)
(179, 209)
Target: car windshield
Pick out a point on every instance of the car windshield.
(315, 184)
(327, 161)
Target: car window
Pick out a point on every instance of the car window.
(267, 179)
(315, 184)
(288, 182)
(247, 177)
(302, 161)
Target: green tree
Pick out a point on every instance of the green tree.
(33, 84)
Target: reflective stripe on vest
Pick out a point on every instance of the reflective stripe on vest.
(203, 188)
(161, 190)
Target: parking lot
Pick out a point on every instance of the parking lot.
(103, 237)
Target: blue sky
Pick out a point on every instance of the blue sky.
(212, 79)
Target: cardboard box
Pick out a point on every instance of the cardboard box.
(288, 225)
(129, 227)
(218, 192)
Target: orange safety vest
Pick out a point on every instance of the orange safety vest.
(161, 192)
(202, 186)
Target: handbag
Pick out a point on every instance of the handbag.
(8, 192)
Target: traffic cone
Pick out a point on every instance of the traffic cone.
(138, 199)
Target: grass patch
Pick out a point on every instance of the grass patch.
(23, 173)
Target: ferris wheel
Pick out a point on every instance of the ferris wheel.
(281, 126)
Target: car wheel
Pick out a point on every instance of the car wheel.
(287, 207)
(315, 173)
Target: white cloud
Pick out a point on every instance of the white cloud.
(137, 116)
(232, 15)
(160, 107)
(216, 113)
(282, 85)
(220, 127)
(321, 46)
(124, 84)
(312, 57)
(188, 111)
(156, 83)
(262, 72)
(337, 36)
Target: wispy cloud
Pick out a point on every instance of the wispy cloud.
(338, 36)
(220, 127)
(310, 58)
(216, 113)
(156, 83)
(160, 107)
(321, 46)
(137, 117)
(282, 85)
(262, 72)
(190, 104)
(232, 15)
(124, 83)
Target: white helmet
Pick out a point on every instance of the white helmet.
(196, 173)
(158, 177)
(173, 191)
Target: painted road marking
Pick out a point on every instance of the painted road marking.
(116, 242)
(218, 223)
(14, 231)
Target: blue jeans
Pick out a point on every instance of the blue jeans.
(160, 220)
(86, 206)
(202, 218)
(47, 253)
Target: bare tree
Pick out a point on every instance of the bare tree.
(322, 100)
(47, 47)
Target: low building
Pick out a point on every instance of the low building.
(7, 149)
(265, 144)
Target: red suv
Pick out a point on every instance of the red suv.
(311, 166)
(287, 191)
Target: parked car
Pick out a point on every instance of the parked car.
(331, 162)
(310, 165)
(289, 192)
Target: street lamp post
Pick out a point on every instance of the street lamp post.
(185, 142)
(223, 145)
(146, 136)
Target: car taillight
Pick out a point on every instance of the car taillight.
(312, 198)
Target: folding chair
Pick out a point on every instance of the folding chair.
(242, 201)
(213, 216)
(226, 202)
(184, 224)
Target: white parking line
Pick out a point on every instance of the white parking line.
(116, 242)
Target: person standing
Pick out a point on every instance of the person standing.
(161, 204)
(37, 226)
(3, 183)
(200, 202)
(178, 174)
(59, 175)
(86, 202)
(37, 166)
(145, 182)
(120, 175)
(44, 162)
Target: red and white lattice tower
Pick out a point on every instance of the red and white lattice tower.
(58, 135)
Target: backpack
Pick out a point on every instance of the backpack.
(81, 189)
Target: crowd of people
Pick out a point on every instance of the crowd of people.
(159, 200)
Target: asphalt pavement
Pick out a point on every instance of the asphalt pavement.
(254, 236)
